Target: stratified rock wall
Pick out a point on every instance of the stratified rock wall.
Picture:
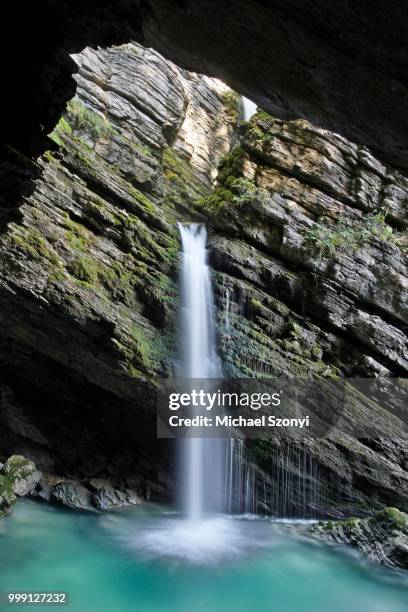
(88, 281)
(309, 252)
(307, 246)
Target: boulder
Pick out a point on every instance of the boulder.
(73, 495)
(107, 497)
(22, 473)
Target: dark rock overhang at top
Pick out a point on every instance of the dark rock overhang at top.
(341, 65)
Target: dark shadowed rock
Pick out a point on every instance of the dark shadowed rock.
(341, 66)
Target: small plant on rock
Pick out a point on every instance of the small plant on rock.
(345, 235)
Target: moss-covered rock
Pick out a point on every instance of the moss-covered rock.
(22, 473)
(18, 477)
(7, 495)
(383, 537)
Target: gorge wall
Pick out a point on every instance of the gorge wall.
(307, 246)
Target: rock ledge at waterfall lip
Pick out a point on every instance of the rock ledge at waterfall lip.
(382, 537)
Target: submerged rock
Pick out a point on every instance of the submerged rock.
(382, 537)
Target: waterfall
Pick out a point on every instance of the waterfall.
(248, 108)
(216, 476)
(202, 459)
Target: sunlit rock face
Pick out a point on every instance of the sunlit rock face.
(89, 275)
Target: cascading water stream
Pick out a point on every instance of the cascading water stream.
(248, 108)
(215, 475)
(202, 459)
(216, 478)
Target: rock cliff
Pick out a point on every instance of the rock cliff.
(89, 264)
(308, 249)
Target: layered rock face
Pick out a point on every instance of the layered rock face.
(310, 279)
(89, 265)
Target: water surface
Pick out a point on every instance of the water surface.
(149, 560)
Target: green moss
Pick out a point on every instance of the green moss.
(80, 118)
(351, 523)
(246, 192)
(138, 147)
(142, 346)
(144, 352)
(233, 189)
(77, 235)
(394, 517)
(49, 156)
(182, 185)
(83, 119)
(231, 102)
(84, 269)
(59, 131)
(6, 487)
(7, 496)
(58, 276)
(34, 244)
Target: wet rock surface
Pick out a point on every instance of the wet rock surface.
(95, 494)
(73, 495)
(382, 538)
(107, 497)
